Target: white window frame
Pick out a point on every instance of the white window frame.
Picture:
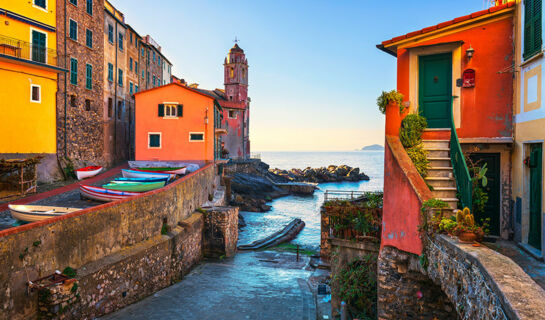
(43, 9)
(229, 114)
(169, 106)
(39, 93)
(46, 44)
(77, 30)
(160, 140)
(203, 138)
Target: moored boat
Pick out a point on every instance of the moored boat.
(101, 194)
(133, 186)
(88, 172)
(145, 174)
(170, 170)
(165, 179)
(32, 213)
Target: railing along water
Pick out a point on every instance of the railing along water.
(461, 172)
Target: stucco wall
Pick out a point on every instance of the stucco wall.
(38, 249)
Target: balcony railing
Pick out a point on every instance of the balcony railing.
(28, 51)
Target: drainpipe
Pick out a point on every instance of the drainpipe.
(65, 86)
(116, 43)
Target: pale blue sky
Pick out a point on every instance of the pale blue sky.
(314, 71)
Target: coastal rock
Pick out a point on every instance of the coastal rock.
(330, 173)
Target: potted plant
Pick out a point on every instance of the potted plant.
(465, 229)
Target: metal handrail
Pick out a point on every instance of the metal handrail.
(28, 51)
(459, 165)
(346, 194)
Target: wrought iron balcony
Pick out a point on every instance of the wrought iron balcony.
(22, 50)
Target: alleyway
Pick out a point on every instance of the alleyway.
(253, 285)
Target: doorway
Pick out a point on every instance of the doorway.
(492, 207)
(435, 89)
(535, 163)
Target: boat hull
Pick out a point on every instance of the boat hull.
(165, 179)
(105, 195)
(134, 186)
(87, 172)
(37, 213)
(180, 170)
(145, 174)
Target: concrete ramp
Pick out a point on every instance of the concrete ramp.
(286, 234)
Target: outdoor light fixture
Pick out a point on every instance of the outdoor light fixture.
(469, 52)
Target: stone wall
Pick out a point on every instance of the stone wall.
(250, 166)
(220, 232)
(34, 250)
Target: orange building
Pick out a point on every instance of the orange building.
(177, 123)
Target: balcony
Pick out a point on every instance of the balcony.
(26, 52)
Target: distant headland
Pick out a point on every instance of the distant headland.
(373, 147)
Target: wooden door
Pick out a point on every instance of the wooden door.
(435, 89)
(536, 156)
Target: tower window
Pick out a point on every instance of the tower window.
(232, 114)
(230, 98)
(231, 73)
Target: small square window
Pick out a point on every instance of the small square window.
(35, 93)
(232, 114)
(196, 136)
(154, 140)
(171, 111)
(73, 101)
(41, 3)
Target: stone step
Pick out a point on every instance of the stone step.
(439, 161)
(440, 172)
(438, 152)
(440, 182)
(436, 143)
(452, 202)
(444, 192)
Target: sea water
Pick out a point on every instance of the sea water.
(307, 208)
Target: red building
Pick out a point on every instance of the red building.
(235, 103)
(459, 76)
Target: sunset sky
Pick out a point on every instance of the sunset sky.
(314, 71)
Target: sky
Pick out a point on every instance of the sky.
(315, 71)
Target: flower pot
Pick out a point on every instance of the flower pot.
(467, 237)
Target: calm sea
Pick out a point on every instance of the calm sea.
(307, 208)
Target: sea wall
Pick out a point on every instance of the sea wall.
(118, 234)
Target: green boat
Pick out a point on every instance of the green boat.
(134, 186)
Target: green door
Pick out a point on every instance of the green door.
(492, 189)
(435, 89)
(534, 236)
(38, 46)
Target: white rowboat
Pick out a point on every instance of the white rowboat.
(36, 213)
(145, 174)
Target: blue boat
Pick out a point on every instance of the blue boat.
(142, 179)
(141, 174)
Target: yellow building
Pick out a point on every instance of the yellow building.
(28, 82)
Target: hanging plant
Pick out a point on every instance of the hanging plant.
(387, 97)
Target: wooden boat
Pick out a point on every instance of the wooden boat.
(88, 172)
(134, 186)
(31, 213)
(101, 194)
(165, 179)
(170, 170)
(145, 174)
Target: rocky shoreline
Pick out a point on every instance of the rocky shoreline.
(253, 183)
(331, 173)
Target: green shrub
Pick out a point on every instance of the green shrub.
(419, 156)
(356, 284)
(410, 133)
(386, 97)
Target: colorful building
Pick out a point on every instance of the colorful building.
(29, 67)
(235, 103)
(177, 123)
(529, 122)
(452, 75)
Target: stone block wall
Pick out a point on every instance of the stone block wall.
(34, 250)
(220, 232)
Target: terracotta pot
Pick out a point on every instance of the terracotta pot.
(467, 237)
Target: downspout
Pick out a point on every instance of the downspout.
(115, 93)
(65, 86)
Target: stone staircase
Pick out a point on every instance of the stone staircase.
(441, 176)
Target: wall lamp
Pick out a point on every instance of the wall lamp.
(469, 52)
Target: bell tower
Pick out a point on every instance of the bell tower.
(236, 75)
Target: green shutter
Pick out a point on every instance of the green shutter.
(180, 110)
(161, 110)
(537, 26)
(532, 28)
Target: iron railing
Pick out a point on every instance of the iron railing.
(28, 51)
(345, 194)
(461, 172)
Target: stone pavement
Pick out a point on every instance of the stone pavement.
(253, 285)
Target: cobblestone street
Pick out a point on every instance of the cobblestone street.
(253, 285)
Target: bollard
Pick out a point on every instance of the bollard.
(297, 253)
(343, 310)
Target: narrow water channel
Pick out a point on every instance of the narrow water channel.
(307, 208)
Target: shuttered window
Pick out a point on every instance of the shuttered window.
(110, 72)
(154, 140)
(161, 110)
(90, 7)
(532, 28)
(89, 77)
(73, 71)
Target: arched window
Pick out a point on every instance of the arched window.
(231, 72)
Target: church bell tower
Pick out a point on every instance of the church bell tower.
(236, 75)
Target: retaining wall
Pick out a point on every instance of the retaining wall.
(34, 250)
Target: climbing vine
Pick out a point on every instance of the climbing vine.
(410, 135)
